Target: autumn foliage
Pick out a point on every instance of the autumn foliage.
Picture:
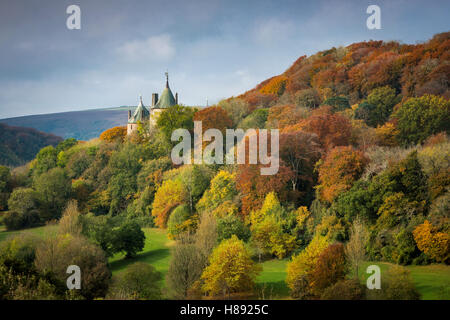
(433, 243)
(230, 269)
(114, 134)
(168, 196)
(341, 167)
(332, 129)
(275, 86)
(213, 118)
(331, 266)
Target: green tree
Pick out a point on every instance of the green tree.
(338, 103)
(256, 119)
(53, 188)
(419, 118)
(179, 221)
(232, 225)
(23, 200)
(128, 238)
(307, 98)
(175, 117)
(139, 281)
(45, 160)
(5, 186)
(66, 144)
(383, 99)
(124, 167)
(237, 109)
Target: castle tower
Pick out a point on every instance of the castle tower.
(165, 101)
(141, 114)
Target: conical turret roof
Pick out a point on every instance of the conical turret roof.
(166, 99)
(140, 114)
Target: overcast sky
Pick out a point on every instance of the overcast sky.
(212, 49)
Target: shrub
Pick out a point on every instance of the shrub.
(16, 221)
(349, 289)
(396, 284)
(55, 254)
(139, 281)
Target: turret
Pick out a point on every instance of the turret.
(154, 99)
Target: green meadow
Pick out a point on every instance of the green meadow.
(432, 281)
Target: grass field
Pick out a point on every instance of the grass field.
(39, 231)
(156, 252)
(433, 281)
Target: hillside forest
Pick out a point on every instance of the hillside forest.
(364, 176)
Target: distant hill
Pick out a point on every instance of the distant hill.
(81, 125)
(19, 145)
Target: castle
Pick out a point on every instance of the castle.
(142, 114)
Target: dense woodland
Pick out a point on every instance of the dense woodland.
(20, 145)
(364, 176)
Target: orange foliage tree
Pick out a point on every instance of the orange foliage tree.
(215, 118)
(254, 186)
(275, 86)
(332, 129)
(433, 243)
(114, 134)
(341, 167)
(331, 266)
(282, 116)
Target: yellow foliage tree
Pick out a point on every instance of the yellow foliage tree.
(231, 269)
(168, 196)
(271, 205)
(302, 265)
(223, 188)
(386, 135)
(433, 243)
